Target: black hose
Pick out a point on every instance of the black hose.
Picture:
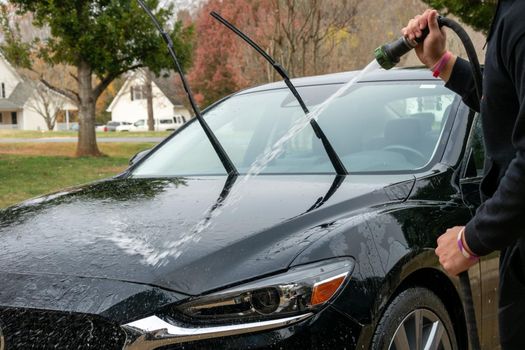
(464, 279)
(471, 53)
(470, 315)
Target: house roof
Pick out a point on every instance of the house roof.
(6, 104)
(167, 84)
(21, 93)
(18, 97)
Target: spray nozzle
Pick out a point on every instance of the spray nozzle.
(390, 54)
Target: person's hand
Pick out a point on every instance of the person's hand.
(434, 47)
(449, 254)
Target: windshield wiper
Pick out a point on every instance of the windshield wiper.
(338, 181)
(223, 156)
(330, 151)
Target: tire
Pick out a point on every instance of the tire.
(396, 329)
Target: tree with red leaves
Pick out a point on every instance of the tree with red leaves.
(215, 71)
(298, 33)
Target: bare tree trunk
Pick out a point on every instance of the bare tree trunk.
(50, 122)
(87, 140)
(149, 100)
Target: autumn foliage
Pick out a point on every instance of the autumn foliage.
(216, 72)
(308, 37)
(297, 33)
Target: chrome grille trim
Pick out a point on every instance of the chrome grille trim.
(153, 332)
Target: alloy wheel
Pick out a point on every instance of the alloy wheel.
(421, 330)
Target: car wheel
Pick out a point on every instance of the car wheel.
(415, 320)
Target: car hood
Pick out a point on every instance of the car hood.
(189, 235)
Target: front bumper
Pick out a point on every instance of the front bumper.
(328, 329)
(39, 329)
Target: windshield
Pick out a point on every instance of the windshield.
(375, 127)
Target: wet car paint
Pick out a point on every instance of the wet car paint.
(138, 236)
(144, 231)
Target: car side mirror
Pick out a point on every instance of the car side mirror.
(135, 159)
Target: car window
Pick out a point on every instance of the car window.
(477, 149)
(387, 126)
(113, 123)
(372, 127)
(166, 121)
(139, 123)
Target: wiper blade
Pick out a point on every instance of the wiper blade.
(223, 156)
(338, 181)
(330, 151)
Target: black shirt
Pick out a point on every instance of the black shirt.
(500, 220)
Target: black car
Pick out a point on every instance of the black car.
(176, 254)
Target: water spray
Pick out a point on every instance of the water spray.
(388, 56)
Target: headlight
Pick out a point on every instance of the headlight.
(301, 289)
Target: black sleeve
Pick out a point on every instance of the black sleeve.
(500, 220)
(462, 83)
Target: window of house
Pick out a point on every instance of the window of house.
(138, 92)
(3, 90)
(14, 119)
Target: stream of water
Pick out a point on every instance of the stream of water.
(174, 248)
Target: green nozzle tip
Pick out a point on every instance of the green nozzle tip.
(382, 58)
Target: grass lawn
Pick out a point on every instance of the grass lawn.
(17, 134)
(29, 169)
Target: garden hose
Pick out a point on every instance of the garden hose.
(388, 56)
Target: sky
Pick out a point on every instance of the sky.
(188, 4)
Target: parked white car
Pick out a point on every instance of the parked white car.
(113, 125)
(124, 127)
(161, 124)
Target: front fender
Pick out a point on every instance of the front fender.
(389, 244)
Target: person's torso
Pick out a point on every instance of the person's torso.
(500, 104)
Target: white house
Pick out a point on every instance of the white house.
(19, 102)
(129, 105)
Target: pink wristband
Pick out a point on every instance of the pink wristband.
(438, 67)
(462, 248)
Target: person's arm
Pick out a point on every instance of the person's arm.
(457, 72)
(499, 221)
(458, 78)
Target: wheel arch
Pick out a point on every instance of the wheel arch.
(430, 276)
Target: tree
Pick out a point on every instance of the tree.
(215, 71)
(47, 103)
(300, 34)
(305, 32)
(476, 13)
(149, 99)
(102, 39)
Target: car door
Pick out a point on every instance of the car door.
(470, 182)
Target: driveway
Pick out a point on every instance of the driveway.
(74, 139)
